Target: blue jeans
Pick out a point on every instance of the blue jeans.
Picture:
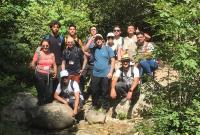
(148, 66)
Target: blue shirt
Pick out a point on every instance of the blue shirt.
(102, 56)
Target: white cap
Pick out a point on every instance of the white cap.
(110, 34)
(98, 35)
(64, 73)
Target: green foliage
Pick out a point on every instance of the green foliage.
(33, 22)
(22, 25)
(122, 116)
(176, 107)
(107, 13)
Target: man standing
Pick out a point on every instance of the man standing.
(130, 46)
(74, 60)
(73, 33)
(118, 41)
(104, 62)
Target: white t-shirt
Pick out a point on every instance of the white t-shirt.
(117, 43)
(127, 76)
(68, 89)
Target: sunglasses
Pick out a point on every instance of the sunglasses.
(45, 46)
(116, 30)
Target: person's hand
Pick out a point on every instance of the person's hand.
(75, 112)
(54, 74)
(32, 66)
(113, 94)
(109, 75)
(81, 71)
(129, 95)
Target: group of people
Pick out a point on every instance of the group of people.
(63, 65)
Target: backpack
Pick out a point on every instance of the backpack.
(121, 75)
(60, 36)
(77, 44)
(66, 94)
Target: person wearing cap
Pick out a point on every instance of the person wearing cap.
(115, 47)
(110, 42)
(125, 81)
(68, 92)
(104, 63)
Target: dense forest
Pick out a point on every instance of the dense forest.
(173, 24)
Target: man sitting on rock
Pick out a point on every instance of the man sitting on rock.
(68, 92)
(125, 81)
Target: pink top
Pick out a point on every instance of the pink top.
(45, 62)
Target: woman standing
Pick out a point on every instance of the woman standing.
(45, 70)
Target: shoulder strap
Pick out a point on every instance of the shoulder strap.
(46, 36)
(71, 84)
(121, 75)
(122, 41)
(61, 38)
(39, 55)
(107, 49)
(132, 73)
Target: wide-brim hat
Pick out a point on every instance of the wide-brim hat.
(125, 57)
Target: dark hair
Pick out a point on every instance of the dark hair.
(92, 26)
(54, 22)
(116, 26)
(140, 33)
(72, 25)
(44, 40)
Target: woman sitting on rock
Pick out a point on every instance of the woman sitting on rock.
(68, 92)
(45, 70)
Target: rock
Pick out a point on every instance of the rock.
(52, 116)
(24, 110)
(94, 117)
(15, 111)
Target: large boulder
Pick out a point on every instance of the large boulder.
(52, 116)
(24, 110)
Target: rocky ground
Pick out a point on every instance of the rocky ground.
(108, 126)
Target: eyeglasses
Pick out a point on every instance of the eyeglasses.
(116, 30)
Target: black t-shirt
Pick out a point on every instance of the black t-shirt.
(74, 59)
(56, 46)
